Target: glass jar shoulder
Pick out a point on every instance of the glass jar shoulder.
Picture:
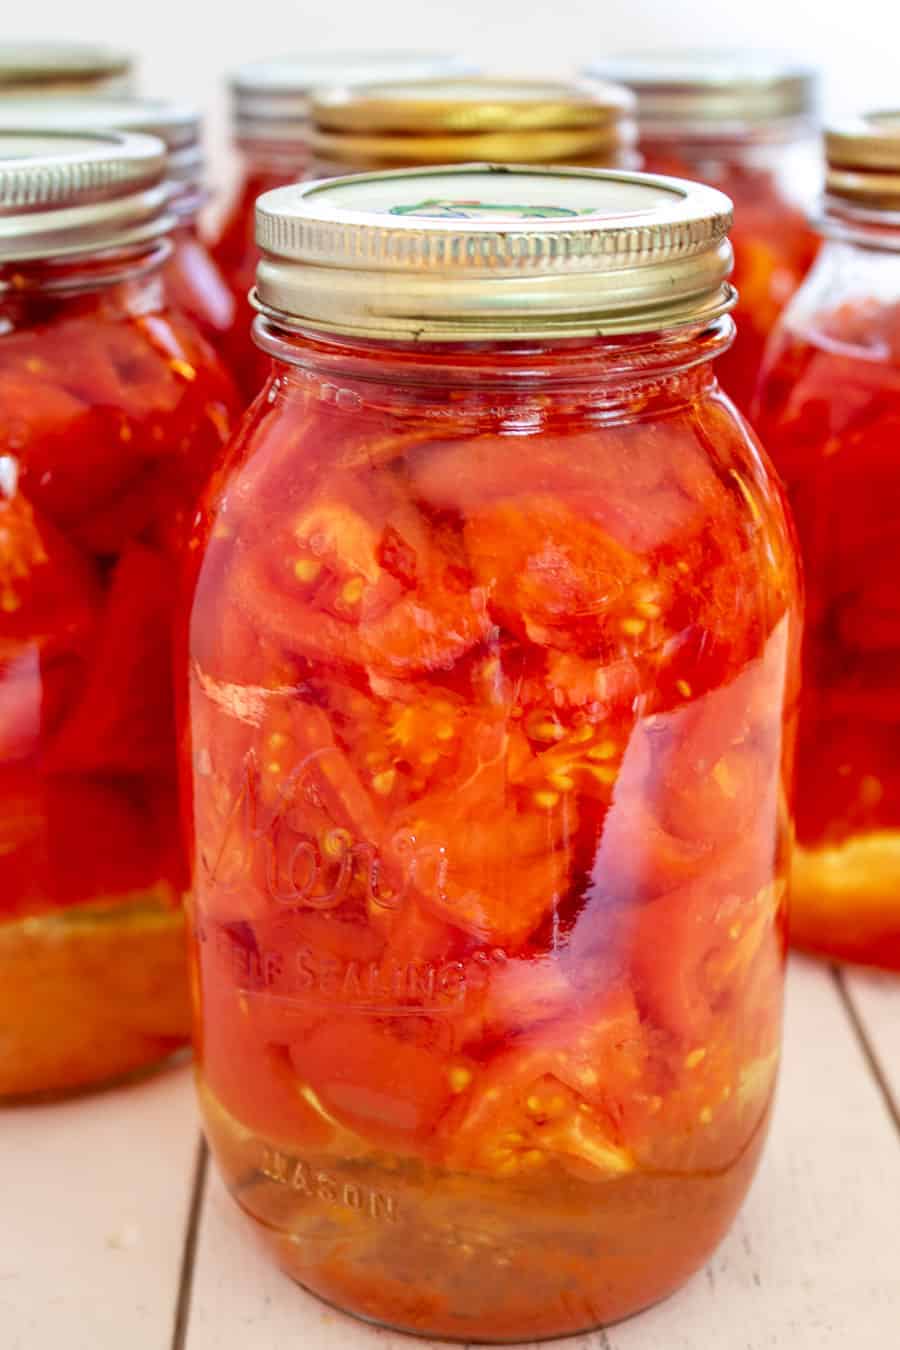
(594, 531)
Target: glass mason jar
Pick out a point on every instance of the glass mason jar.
(830, 405)
(64, 68)
(112, 411)
(194, 283)
(270, 113)
(491, 698)
(748, 125)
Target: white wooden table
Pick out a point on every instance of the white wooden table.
(116, 1235)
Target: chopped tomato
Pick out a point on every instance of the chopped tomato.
(377, 1080)
(332, 588)
(558, 580)
(569, 1099)
(491, 856)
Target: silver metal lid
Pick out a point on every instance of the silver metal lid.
(713, 92)
(66, 67)
(493, 251)
(177, 125)
(65, 194)
(270, 99)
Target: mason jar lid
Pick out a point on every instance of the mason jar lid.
(713, 92)
(863, 157)
(177, 125)
(455, 120)
(270, 99)
(65, 194)
(463, 253)
(67, 66)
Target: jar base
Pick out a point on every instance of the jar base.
(454, 1256)
(540, 1338)
(91, 995)
(845, 899)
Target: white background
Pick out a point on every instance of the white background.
(186, 46)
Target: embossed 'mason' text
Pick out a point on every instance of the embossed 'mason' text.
(317, 1184)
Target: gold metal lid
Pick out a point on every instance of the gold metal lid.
(65, 194)
(177, 125)
(713, 92)
(270, 99)
(863, 156)
(463, 253)
(65, 67)
(460, 120)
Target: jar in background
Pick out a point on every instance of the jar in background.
(829, 404)
(194, 283)
(270, 118)
(493, 666)
(746, 123)
(464, 120)
(64, 68)
(112, 411)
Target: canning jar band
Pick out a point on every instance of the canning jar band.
(69, 232)
(455, 252)
(361, 305)
(461, 106)
(570, 145)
